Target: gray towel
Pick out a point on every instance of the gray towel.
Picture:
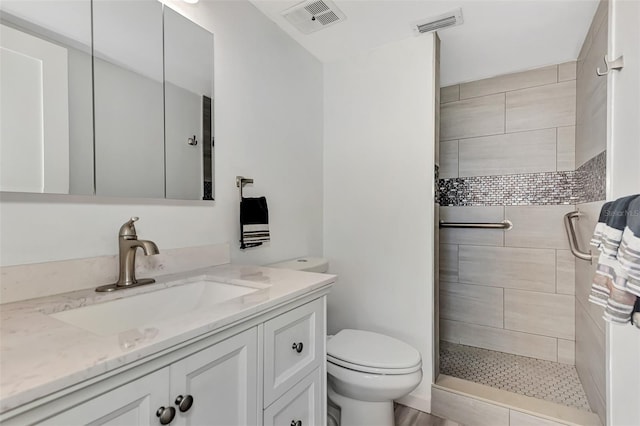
(617, 280)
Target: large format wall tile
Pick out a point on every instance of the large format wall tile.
(449, 94)
(448, 159)
(584, 270)
(481, 237)
(584, 278)
(565, 272)
(566, 155)
(505, 83)
(567, 71)
(591, 93)
(521, 268)
(567, 351)
(539, 313)
(467, 411)
(523, 152)
(448, 262)
(498, 339)
(590, 359)
(537, 226)
(471, 303)
(541, 107)
(472, 117)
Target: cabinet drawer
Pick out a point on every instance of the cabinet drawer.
(294, 346)
(300, 406)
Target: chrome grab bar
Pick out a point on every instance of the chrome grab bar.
(505, 224)
(573, 239)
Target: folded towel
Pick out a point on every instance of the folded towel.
(254, 222)
(617, 280)
(629, 253)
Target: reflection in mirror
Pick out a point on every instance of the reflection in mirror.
(128, 87)
(46, 124)
(188, 61)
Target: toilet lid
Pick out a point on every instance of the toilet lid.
(367, 351)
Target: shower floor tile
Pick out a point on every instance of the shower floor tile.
(547, 380)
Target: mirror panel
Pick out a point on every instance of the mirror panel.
(128, 90)
(46, 136)
(188, 62)
(105, 98)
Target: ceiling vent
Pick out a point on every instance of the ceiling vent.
(313, 15)
(435, 23)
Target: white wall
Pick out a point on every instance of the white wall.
(378, 202)
(623, 176)
(268, 121)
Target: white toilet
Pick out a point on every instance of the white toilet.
(366, 371)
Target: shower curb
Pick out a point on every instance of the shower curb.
(484, 405)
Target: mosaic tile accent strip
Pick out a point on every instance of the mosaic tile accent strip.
(551, 188)
(437, 179)
(591, 180)
(547, 380)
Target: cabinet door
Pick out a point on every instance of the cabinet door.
(132, 404)
(222, 380)
(300, 406)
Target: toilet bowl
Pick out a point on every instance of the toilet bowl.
(366, 372)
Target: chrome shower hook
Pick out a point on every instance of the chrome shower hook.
(617, 65)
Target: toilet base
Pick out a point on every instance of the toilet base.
(362, 413)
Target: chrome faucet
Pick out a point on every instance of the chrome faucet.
(128, 244)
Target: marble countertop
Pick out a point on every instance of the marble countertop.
(40, 355)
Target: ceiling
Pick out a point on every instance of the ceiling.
(497, 37)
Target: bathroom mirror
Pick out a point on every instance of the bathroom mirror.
(46, 120)
(133, 120)
(128, 98)
(188, 91)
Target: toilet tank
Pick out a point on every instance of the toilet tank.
(307, 264)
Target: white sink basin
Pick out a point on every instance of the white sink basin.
(128, 313)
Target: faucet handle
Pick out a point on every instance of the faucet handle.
(128, 230)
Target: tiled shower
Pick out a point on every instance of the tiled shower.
(508, 151)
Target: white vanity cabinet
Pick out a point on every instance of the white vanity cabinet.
(220, 380)
(134, 403)
(268, 369)
(294, 346)
(302, 405)
(294, 367)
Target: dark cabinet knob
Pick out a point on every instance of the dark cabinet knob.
(166, 415)
(297, 347)
(296, 422)
(184, 403)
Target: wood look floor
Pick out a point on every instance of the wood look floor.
(406, 416)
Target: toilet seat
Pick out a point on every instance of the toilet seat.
(373, 353)
(373, 370)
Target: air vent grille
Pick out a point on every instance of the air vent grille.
(327, 18)
(450, 19)
(317, 7)
(313, 15)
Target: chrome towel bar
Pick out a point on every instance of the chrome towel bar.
(241, 181)
(505, 224)
(573, 239)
